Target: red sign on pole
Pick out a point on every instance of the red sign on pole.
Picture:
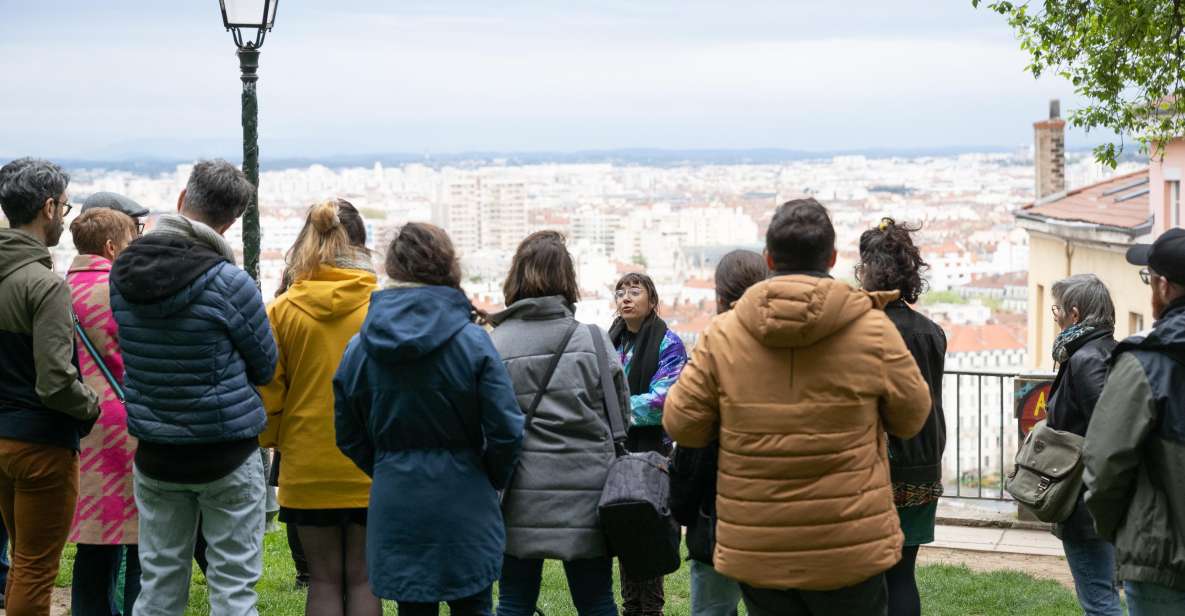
(1032, 396)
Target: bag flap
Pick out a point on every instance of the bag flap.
(1049, 452)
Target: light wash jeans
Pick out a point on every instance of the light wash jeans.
(232, 510)
(712, 594)
(1092, 563)
(1145, 599)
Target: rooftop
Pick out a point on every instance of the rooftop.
(1120, 203)
(980, 338)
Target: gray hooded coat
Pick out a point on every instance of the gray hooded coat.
(551, 506)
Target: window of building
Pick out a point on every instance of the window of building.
(1172, 201)
(1041, 316)
(1135, 323)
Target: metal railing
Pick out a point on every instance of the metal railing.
(982, 433)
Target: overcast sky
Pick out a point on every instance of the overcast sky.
(113, 78)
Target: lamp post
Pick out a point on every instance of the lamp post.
(239, 16)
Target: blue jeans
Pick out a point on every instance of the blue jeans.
(712, 594)
(1146, 599)
(231, 510)
(590, 581)
(1092, 563)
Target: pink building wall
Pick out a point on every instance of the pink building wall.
(1163, 172)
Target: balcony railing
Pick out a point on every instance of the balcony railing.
(982, 433)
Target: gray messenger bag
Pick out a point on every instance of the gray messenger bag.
(1048, 473)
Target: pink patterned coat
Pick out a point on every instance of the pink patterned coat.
(106, 512)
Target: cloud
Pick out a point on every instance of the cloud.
(523, 75)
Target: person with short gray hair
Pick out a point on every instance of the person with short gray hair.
(196, 346)
(1085, 314)
(44, 406)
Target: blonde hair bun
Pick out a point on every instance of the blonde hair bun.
(324, 217)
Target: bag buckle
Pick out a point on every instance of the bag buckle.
(1043, 485)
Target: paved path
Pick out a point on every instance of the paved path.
(1010, 541)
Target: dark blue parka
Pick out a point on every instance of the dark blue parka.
(426, 408)
(195, 340)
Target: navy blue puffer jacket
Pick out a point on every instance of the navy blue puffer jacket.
(195, 341)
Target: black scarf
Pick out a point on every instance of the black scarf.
(646, 345)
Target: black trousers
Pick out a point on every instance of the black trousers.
(96, 571)
(868, 598)
(481, 604)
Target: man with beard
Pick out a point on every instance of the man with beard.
(44, 406)
(1135, 446)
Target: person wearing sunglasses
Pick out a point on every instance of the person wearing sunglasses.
(45, 408)
(119, 203)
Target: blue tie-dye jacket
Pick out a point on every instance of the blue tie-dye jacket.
(646, 408)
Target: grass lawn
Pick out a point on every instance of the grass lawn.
(946, 590)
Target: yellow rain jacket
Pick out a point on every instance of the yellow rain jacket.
(313, 321)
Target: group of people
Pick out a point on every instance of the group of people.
(430, 450)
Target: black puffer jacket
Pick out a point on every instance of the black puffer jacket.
(919, 459)
(1075, 392)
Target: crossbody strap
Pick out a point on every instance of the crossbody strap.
(555, 362)
(612, 404)
(551, 366)
(94, 353)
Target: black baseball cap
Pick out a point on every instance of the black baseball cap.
(114, 201)
(1165, 256)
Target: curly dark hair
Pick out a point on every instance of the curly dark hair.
(423, 253)
(889, 260)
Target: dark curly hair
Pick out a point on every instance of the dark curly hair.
(889, 261)
(423, 253)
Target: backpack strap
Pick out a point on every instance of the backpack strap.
(611, 404)
(94, 353)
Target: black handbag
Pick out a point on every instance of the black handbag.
(635, 508)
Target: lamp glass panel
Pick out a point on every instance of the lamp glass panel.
(248, 13)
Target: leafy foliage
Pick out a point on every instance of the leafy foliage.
(1125, 56)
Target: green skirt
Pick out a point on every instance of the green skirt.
(918, 523)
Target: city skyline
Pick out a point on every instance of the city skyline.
(126, 79)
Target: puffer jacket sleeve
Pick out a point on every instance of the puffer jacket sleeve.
(1122, 421)
(275, 392)
(692, 413)
(905, 404)
(351, 410)
(248, 324)
(501, 417)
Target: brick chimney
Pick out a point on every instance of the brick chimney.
(1049, 152)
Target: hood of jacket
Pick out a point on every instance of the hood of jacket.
(800, 310)
(332, 292)
(1167, 335)
(534, 309)
(163, 273)
(89, 263)
(405, 324)
(18, 249)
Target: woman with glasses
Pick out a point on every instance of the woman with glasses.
(653, 356)
(1086, 317)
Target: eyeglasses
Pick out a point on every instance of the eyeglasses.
(633, 292)
(1146, 275)
(1056, 310)
(65, 205)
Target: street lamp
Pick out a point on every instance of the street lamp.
(239, 17)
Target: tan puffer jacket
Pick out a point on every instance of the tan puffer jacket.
(800, 382)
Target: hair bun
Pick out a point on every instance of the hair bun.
(324, 217)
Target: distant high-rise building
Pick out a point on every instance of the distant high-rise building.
(480, 210)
